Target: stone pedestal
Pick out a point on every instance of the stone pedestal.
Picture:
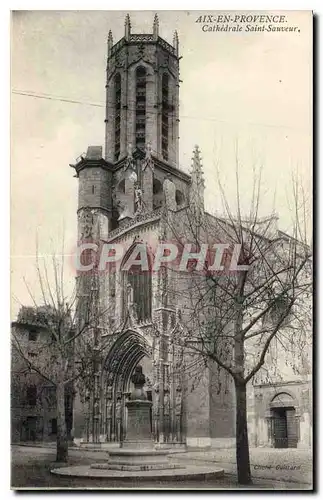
(137, 451)
(138, 425)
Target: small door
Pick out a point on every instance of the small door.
(280, 428)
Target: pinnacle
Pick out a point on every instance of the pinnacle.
(196, 157)
(127, 20)
(197, 163)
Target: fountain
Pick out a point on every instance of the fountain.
(137, 452)
(137, 456)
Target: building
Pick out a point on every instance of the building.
(128, 196)
(280, 400)
(33, 398)
(136, 194)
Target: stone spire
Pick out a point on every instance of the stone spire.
(110, 42)
(127, 27)
(156, 27)
(197, 183)
(175, 42)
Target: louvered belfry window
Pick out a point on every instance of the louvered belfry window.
(165, 116)
(141, 107)
(117, 124)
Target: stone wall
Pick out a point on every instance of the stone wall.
(95, 184)
(259, 405)
(44, 410)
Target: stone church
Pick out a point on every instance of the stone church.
(134, 192)
(129, 195)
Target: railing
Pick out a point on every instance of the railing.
(141, 218)
(117, 46)
(166, 45)
(142, 38)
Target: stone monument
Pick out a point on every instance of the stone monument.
(138, 427)
(137, 452)
(137, 459)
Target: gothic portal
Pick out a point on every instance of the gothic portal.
(132, 193)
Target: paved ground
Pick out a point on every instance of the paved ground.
(31, 469)
(289, 465)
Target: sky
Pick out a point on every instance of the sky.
(245, 96)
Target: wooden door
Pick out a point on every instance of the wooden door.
(280, 428)
(292, 430)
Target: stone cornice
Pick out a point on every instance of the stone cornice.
(137, 154)
(172, 170)
(90, 163)
(107, 210)
(143, 38)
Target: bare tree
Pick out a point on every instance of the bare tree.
(233, 316)
(70, 347)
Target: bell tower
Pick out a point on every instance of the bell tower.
(142, 95)
(141, 147)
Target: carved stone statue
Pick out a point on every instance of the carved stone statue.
(129, 294)
(96, 409)
(138, 198)
(166, 404)
(109, 419)
(132, 306)
(156, 401)
(109, 409)
(118, 409)
(86, 222)
(178, 403)
(167, 429)
(118, 418)
(138, 379)
(148, 162)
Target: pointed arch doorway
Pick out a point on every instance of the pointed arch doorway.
(128, 351)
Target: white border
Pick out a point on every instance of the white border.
(316, 6)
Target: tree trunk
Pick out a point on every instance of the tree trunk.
(62, 442)
(242, 444)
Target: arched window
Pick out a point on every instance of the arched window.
(180, 199)
(117, 123)
(137, 288)
(158, 194)
(165, 117)
(140, 107)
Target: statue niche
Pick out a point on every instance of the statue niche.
(137, 291)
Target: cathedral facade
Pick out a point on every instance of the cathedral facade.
(134, 193)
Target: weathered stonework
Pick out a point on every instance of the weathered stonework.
(139, 195)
